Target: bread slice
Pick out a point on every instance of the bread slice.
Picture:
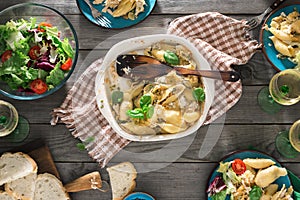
(5, 196)
(48, 187)
(22, 188)
(15, 165)
(122, 179)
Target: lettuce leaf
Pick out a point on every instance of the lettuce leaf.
(219, 196)
(4, 35)
(255, 193)
(55, 77)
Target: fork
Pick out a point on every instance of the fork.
(100, 19)
(256, 21)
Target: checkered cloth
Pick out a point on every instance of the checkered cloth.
(220, 39)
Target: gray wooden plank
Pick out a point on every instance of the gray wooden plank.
(246, 111)
(233, 137)
(176, 181)
(169, 6)
(94, 37)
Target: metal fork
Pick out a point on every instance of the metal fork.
(256, 21)
(100, 19)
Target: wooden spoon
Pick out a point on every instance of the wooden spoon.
(87, 182)
(147, 68)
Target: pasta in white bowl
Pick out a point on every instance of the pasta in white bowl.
(169, 107)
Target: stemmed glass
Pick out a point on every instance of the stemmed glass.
(13, 127)
(288, 142)
(284, 89)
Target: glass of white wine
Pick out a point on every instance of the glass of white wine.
(288, 142)
(284, 89)
(13, 127)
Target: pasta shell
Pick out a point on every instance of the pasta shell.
(172, 117)
(258, 163)
(170, 128)
(267, 176)
(138, 129)
(191, 117)
(281, 47)
(123, 8)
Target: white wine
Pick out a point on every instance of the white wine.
(285, 87)
(8, 118)
(294, 135)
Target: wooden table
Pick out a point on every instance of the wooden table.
(246, 126)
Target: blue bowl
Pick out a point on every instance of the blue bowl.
(284, 180)
(115, 22)
(139, 196)
(269, 50)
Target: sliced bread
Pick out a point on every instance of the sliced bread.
(6, 196)
(22, 188)
(122, 179)
(15, 165)
(48, 187)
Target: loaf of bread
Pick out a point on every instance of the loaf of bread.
(48, 187)
(22, 188)
(15, 165)
(122, 179)
(6, 196)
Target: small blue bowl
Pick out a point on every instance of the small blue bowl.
(269, 50)
(139, 196)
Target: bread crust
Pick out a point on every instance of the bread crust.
(6, 193)
(51, 176)
(21, 154)
(133, 172)
(17, 195)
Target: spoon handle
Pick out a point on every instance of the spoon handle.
(231, 76)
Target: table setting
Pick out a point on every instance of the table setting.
(100, 113)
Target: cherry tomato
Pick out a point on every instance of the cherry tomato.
(238, 166)
(40, 26)
(6, 55)
(67, 65)
(38, 86)
(34, 52)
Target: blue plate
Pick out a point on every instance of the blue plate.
(139, 196)
(115, 22)
(269, 51)
(249, 154)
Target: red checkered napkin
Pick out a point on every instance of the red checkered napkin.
(220, 39)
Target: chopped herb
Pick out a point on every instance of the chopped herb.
(199, 94)
(3, 119)
(171, 58)
(145, 111)
(284, 89)
(117, 97)
(81, 146)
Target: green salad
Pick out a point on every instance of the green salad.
(33, 57)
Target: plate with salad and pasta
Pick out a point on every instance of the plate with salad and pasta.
(117, 13)
(249, 175)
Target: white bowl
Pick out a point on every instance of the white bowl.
(139, 43)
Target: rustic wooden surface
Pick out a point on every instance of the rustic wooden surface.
(245, 127)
